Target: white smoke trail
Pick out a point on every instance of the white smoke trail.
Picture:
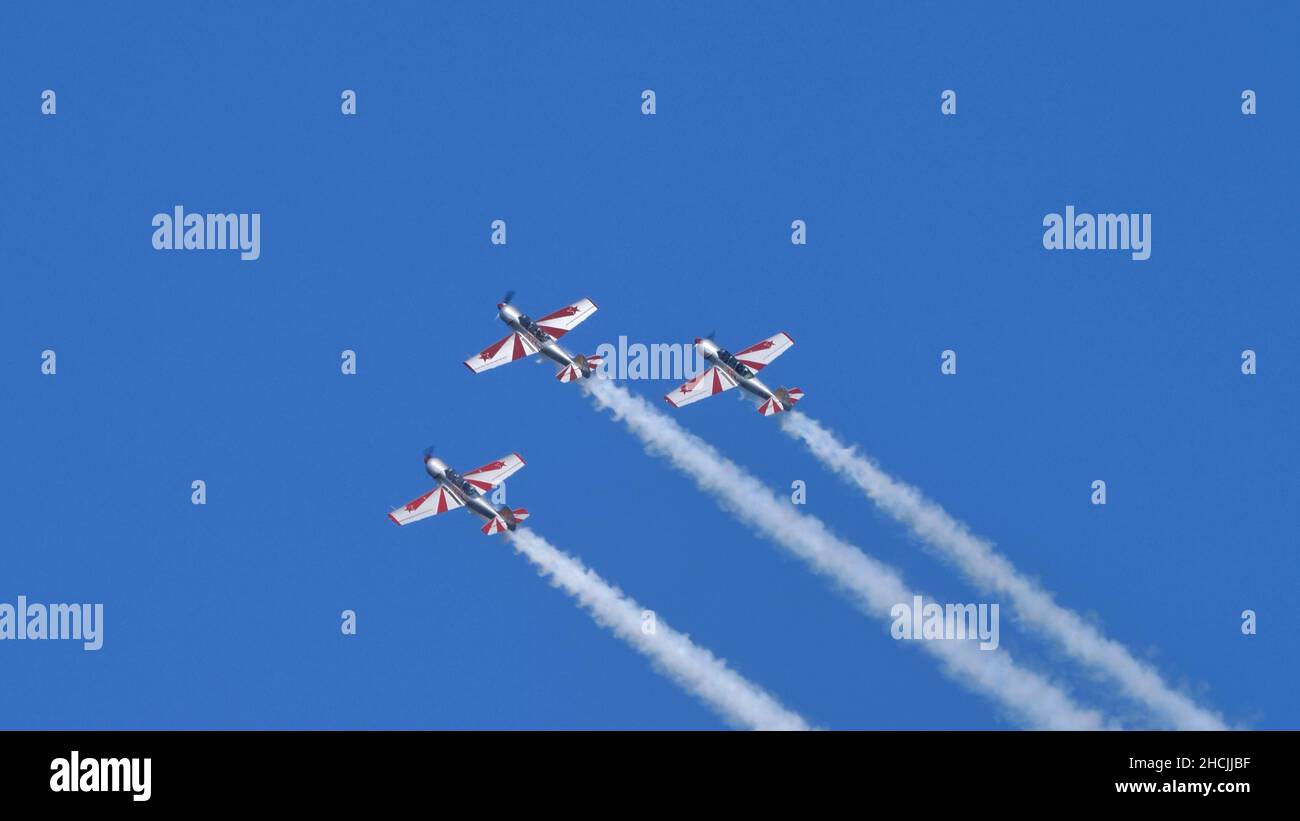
(985, 567)
(874, 586)
(740, 702)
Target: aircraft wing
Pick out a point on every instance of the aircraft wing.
(709, 382)
(494, 473)
(560, 322)
(759, 355)
(432, 503)
(515, 346)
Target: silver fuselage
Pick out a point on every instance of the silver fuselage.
(467, 494)
(551, 349)
(744, 377)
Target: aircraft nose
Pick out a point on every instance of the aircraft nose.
(500, 305)
(697, 340)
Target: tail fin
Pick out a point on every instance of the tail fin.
(582, 366)
(506, 519)
(783, 400)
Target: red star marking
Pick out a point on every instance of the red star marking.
(491, 351)
(568, 310)
(411, 507)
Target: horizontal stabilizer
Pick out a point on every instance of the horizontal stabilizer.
(783, 400)
(570, 373)
(506, 519)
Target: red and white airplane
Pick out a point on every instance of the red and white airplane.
(456, 490)
(528, 337)
(727, 370)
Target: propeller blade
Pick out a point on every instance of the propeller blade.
(505, 300)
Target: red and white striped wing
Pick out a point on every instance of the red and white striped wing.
(711, 381)
(432, 503)
(515, 346)
(560, 322)
(494, 473)
(759, 355)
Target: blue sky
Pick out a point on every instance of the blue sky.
(924, 234)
